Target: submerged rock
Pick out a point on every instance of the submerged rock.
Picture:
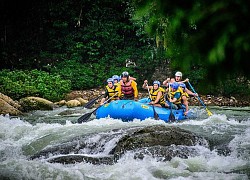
(157, 136)
(69, 112)
(158, 141)
(76, 158)
(166, 153)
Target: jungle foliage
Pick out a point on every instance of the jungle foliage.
(23, 83)
(84, 42)
(214, 34)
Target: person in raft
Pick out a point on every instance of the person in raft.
(128, 87)
(156, 93)
(112, 91)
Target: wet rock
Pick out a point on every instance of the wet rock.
(158, 141)
(35, 103)
(74, 158)
(157, 135)
(166, 153)
(10, 101)
(61, 103)
(6, 108)
(82, 101)
(76, 145)
(69, 112)
(223, 150)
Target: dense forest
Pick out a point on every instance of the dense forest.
(49, 48)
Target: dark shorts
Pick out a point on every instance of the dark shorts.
(127, 97)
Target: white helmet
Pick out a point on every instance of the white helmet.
(178, 73)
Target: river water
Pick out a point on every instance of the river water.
(227, 130)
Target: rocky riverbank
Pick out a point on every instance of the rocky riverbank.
(79, 98)
(209, 100)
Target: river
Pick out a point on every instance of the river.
(227, 130)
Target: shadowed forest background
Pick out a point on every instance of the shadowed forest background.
(49, 48)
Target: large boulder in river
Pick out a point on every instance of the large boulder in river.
(35, 103)
(8, 106)
(156, 136)
(158, 141)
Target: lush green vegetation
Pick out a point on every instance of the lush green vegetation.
(79, 44)
(211, 33)
(18, 84)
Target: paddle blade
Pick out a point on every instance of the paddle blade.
(209, 113)
(171, 117)
(91, 102)
(85, 117)
(156, 116)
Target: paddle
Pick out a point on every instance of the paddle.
(209, 113)
(156, 116)
(171, 115)
(85, 117)
(91, 102)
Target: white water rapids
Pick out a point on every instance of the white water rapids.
(227, 130)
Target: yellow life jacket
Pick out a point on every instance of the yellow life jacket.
(183, 92)
(153, 94)
(112, 92)
(179, 90)
(117, 84)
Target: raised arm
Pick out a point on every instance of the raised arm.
(145, 85)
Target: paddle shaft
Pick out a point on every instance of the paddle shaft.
(209, 113)
(86, 116)
(156, 116)
(110, 98)
(91, 102)
(171, 115)
(196, 93)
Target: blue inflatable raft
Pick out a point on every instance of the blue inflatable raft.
(127, 110)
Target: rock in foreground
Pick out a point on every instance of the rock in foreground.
(160, 141)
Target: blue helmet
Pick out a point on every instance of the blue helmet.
(125, 74)
(174, 85)
(182, 85)
(110, 80)
(157, 82)
(116, 77)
